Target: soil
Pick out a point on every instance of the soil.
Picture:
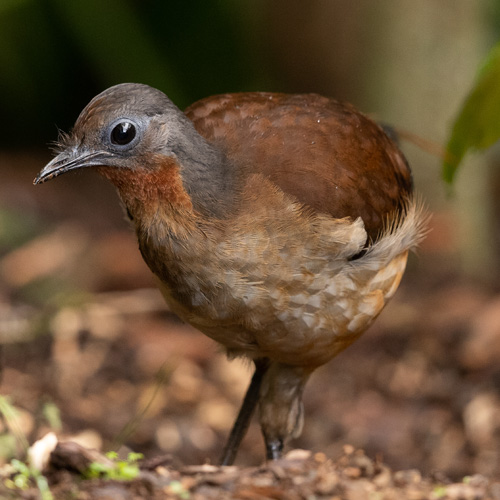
(300, 475)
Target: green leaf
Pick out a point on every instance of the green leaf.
(125, 471)
(112, 455)
(21, 481)
(20, 467)
(43, 487)
(133, 457)
(97, 469)
(477, 125)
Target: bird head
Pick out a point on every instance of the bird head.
(119, 128)
(137, 138)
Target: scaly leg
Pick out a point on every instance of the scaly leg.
(247, 409)
(280, 406)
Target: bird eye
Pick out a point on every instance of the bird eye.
(123, 133)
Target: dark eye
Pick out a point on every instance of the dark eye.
(123, 133)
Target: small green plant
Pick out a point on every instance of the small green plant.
(9, 414)
(122, 470)
(24, 475)
(178, 489)
(439, 491)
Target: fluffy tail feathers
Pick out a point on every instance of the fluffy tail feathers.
(401, 233)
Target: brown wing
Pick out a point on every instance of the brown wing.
(326, 154)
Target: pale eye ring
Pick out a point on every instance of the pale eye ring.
(123, 133)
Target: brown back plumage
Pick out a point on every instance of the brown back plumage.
(326, 154)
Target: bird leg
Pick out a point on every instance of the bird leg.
(245, 414)
(280, 406)
(274, 448)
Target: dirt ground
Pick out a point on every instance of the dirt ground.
(84, 330)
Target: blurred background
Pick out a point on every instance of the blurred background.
(85, 333)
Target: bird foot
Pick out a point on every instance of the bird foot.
(274, 449)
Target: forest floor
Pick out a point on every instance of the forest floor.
(91, 352)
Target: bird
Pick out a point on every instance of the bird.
(277, 224)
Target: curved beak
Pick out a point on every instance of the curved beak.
(71, 160)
